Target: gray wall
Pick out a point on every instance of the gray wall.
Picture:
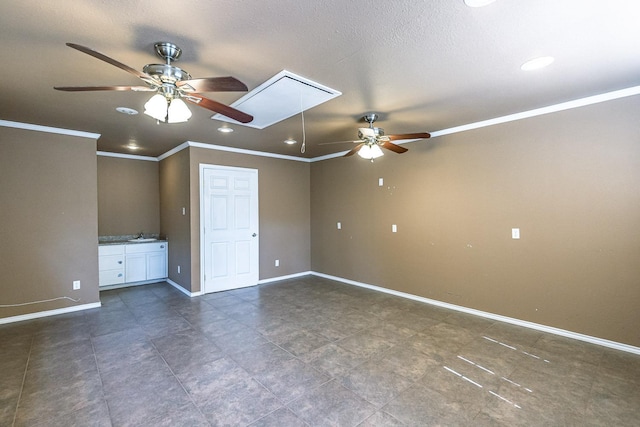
(568, 180)
(48, 220)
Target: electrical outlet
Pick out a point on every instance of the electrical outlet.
(515, 233)
(277, 263)
(76, 285)
(394, 228)
(339, 226)
(380, 182)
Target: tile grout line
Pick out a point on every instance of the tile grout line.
(104, 397)
(153, 344)
(24, 379)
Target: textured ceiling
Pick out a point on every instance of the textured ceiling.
(422, 65)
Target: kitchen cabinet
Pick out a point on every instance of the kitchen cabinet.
(136, 267)
(133, 263)
(110, 265)
(146, 261)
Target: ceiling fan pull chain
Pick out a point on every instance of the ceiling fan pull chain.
(303, 147)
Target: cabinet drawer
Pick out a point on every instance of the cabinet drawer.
(111, 277)
(111, 262)
(137, 248)
(110, 249)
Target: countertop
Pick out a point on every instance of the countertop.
(126, 239)
(127, 242)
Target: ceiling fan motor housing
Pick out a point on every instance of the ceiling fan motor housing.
(370, 133)
(166, 73)
(168, 51)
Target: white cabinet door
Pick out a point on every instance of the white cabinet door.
(136, 267)
(156, 265)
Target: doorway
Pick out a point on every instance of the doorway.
(228, 227)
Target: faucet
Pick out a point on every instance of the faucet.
(140, 236)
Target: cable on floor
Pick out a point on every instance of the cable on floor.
(38, 302)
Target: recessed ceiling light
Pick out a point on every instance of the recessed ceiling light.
(225, 129)
(290, 141)
(126, 110)
(537, 63)
(478, 3)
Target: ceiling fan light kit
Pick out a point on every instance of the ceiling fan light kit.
(373, 139)
(172, 86)
(370, 152)
(156, 107)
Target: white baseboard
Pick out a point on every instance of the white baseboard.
(47, 313)
(260, 282)
(130, 284)
(518, 322)
(289, 276)
(183, 290)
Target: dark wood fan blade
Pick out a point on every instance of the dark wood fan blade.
(393, 147)
(93, 88)
(422, 135)
(218, 107)
(213, 84)
(354, 150)
(111, 61)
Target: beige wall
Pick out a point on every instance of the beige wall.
(174, 182)
(128, 196)
(568, 180)
(48, 220)
(284, 211)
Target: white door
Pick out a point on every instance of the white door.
(229, 227)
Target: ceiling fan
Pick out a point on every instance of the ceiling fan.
(372, 138)
(172, 85)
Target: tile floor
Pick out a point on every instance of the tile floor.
(304, 352)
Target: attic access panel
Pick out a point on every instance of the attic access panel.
(282, 96)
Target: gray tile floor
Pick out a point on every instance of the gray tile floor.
(302, 352)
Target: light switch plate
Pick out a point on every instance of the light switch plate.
(515, 233)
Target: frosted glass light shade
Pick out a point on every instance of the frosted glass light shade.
(376, 151)
(365, 152)
(370, 152)
(178, 111)
(156, 107)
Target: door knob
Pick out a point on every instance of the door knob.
(254, 235)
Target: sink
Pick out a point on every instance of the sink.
(142, 240)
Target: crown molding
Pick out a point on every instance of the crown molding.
(48, 129)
